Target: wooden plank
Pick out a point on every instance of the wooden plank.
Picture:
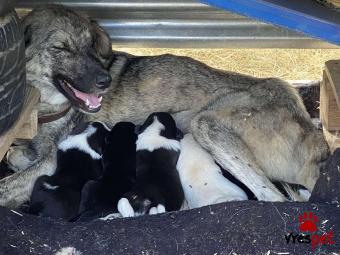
(31, 100)
(332, 68)
(30, 128)
(324, 105)
(330, 96)
(332, 138)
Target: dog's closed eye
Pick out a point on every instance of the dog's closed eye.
(62, 46)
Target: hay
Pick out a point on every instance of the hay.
(288, 64)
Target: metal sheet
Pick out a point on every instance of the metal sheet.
(305, 16)
(181, 24)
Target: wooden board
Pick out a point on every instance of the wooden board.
(332, 69)
(330, 96)
(332, 138)
(26, 125)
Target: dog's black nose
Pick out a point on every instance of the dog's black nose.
(103, 80)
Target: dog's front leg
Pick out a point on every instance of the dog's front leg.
(21, 157)
(231, 153)
(16, 189)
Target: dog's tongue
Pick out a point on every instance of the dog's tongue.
(90, 99)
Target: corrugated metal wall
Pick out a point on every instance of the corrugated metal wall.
(180, 24)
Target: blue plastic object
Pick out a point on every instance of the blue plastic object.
(305, 16)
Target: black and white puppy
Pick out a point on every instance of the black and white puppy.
(202, 179)
(158, 187)
(78, 161)
(100, 198)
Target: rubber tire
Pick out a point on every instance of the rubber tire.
(12, 70)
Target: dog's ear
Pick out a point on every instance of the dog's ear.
(179, 134)
(102, 42)
(138, 129)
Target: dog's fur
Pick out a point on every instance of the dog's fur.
(157, 180)
(100, 197)
(257, 128)
(78, 161)
(202, 179)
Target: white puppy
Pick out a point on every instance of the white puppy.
(202, 179)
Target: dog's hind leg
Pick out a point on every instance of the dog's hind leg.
(232, 153)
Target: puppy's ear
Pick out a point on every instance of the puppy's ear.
(179, 134)
(138, 129)
(102, 43)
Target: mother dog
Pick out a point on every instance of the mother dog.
(256, 128)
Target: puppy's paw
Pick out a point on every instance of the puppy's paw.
(161, 208)
(125, 208)
(111, 216)
(20, 158)
(157, 209)
(153, 210)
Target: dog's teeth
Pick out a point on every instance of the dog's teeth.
(88, 102)
(100, 99)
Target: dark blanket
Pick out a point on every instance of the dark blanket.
(248, 227)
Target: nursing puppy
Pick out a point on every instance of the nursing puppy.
(158, 187)
(78, 160)
(202, 180)
(100, 198)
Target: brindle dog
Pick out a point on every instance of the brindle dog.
(257, 128)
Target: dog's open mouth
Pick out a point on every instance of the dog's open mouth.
(88, 102)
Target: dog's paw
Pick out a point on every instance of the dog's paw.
(267, 194)
(20, 158)
(125, 208)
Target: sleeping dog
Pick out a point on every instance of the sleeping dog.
(100, 197)
(158, 188)
(78, 160)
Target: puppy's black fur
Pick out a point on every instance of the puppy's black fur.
(157, 178)
(100, 198)
(58, 196)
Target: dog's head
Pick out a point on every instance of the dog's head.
(67, 56)
(160, 123)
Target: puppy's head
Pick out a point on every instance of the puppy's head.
(123, 133)
(67, 55)
(121, 141)
(161, 123)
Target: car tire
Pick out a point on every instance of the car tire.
(12, 70)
